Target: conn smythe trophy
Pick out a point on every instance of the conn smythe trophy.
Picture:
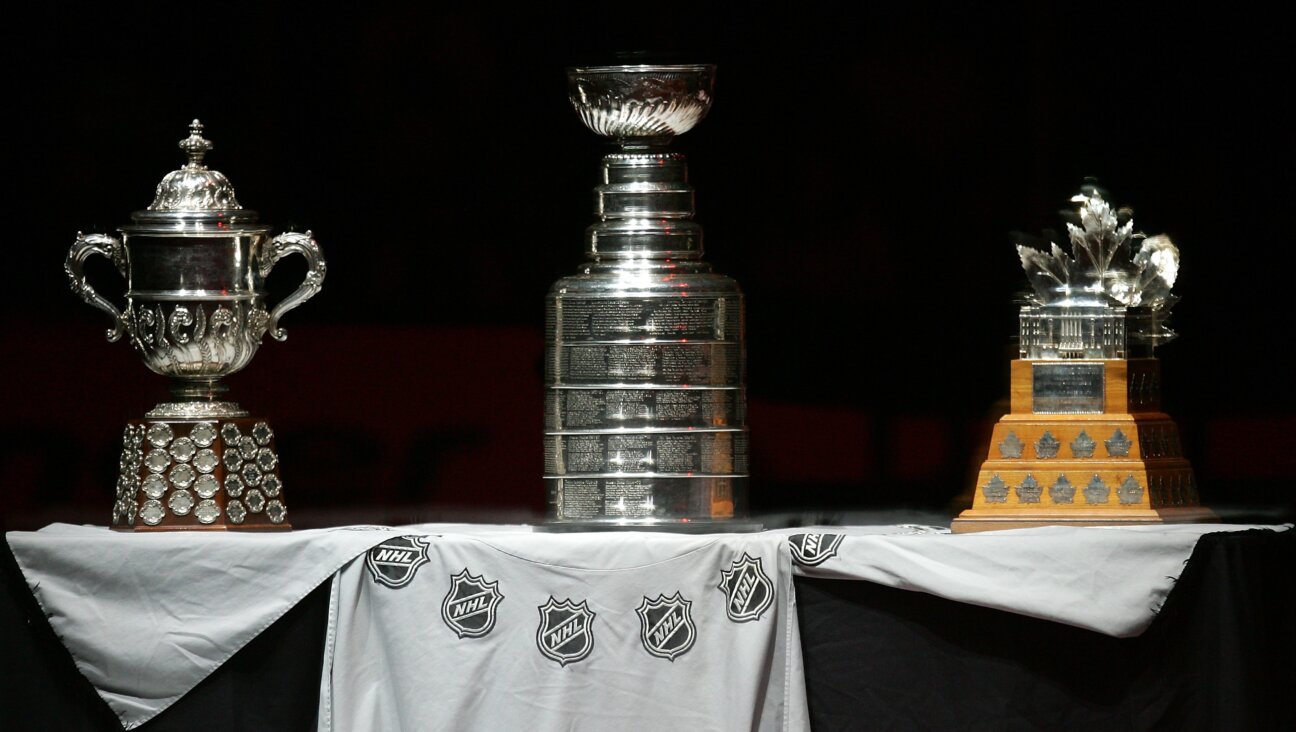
(195, 263)
(1086, 442)
(645, 414)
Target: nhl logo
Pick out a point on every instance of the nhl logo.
(394, 562)
(748, 589)
(666, 626)
(565, 634)
(469, 607)
(810, 550)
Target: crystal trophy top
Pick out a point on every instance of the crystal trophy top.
(1107, 300)
(195, 263)
(645, 417)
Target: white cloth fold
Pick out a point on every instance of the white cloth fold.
(1109, 579)
(148, 616)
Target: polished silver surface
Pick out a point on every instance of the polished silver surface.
(1097, 492)
(1129, 491)
(995, 491)
(1046, 446)
(1118, 444)
(206, 460)
(1011, 446)
(1105, 300)
(1083, 445)
(1062, 491)
(645, 413)
(206, 486)
(207, 512)
(643, 101)
(1029, 490)
(195, 263)
(276, 512)
(203, 434)
(1067, 388)
(151, 512)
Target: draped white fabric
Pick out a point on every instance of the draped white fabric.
(681, 630)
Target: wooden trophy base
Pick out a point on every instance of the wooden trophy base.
(217, 474)
(1084, 445)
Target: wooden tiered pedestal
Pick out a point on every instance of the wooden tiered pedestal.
(1085, 444)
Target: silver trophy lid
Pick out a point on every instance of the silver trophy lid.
(194, 194)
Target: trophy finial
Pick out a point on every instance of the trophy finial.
(641, 105)
(193, 188)
(195, 145)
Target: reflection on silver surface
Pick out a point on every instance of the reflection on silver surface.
(206, 486)
(1118, 445)
(1046, 446)
(180, 502)
(1130, 491)
(641, 102)
(996, 491)
(1011, 446)
(1106, 301)
(645, 414)
(1083, 445)
(151, 512)
(207, 512)
(1097, 491)
(203, 434)
(195, 264)
(1062, 491)
(1067, 388)
(1029, 490)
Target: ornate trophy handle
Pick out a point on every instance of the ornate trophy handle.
(280, 247)
(86, 246)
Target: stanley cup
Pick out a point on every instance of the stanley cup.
(195, 264)
(645, 416)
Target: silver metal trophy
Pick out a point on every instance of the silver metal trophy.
(645, 378)
(195, 263)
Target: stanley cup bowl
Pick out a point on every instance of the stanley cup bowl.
(195, 264)
(641, 102)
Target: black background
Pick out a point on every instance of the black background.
(861, 175)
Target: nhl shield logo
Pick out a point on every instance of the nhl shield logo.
(469, 607)
(810, 550)
(748, 589)
(565, 632)
(666, 626)
(394, 562)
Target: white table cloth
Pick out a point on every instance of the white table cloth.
(489, 627)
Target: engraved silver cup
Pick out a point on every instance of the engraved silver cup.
(195, 263)
(645, 420)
